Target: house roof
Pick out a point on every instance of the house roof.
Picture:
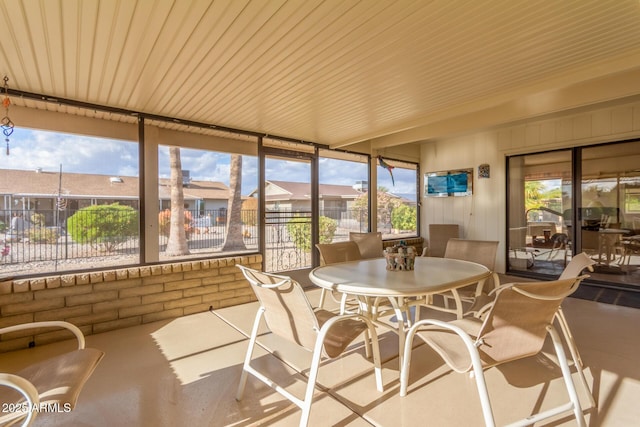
(285, 190)
(76, 185)
(335, 72)
(47, 184)
(197, 190)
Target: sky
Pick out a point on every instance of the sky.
(32, 149)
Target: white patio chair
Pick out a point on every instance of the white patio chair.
(53, 382)
(439, 235)
(369, 244)
(332, 253)
(288, 314)
(573, 270)
(482, 252)
(515, 327)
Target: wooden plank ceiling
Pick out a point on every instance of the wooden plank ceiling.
(335, 72)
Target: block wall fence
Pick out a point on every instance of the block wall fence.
(105, 300)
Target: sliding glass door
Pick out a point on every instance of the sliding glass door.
(578, 200)
(540, 210)
(610, 209)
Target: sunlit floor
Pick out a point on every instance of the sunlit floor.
(185, 372)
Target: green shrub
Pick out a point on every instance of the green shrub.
(328, 228)
(37, 220)
(299, 229)
(43, 235)
(403, 217)
(105, 226)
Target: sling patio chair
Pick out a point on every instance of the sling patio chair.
(369, 244)
(515, 328)
(289, 315)
(332, 253)
(573, 270)
(482, 252)
(439, 235)
(55, 382)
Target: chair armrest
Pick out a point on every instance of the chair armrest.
(469, 342)
(26, 389)
(49, 324)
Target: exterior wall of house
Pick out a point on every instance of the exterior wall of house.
(279, 206)
(483, 216)
(301, 206)
(112, 299)
(215, 205)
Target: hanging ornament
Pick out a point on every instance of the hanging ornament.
(6, 124)
(388, 167)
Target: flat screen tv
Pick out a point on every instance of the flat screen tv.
(449, 183)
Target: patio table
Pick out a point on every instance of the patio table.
(608, 241)
(367, 279)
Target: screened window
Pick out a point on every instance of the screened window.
(212, 221)
(344, 195)
(397, 197)
(68, 202)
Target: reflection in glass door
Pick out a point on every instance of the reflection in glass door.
(610, 210)
(547, 225)
(288, 213)
(540, 201)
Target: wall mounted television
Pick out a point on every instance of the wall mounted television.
(448, 183)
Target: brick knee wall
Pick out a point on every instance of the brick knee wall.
(113, 299)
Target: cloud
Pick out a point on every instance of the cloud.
(341, 172)
(31, 149)
(49, 150)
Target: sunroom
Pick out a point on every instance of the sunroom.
(285, 124)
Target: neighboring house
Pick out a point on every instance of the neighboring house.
(336, 201)
(296, 197)
(199, 196)
(31, 191)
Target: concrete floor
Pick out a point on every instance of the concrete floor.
(185, 372)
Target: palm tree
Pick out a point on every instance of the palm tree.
(533, 193)
(234, 240)
(177, 244)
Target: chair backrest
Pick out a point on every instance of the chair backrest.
(479, 251)
(577, 264)
(331, 253)
(516, 325)
(287, 311)
(370, 244)
(439, 235)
